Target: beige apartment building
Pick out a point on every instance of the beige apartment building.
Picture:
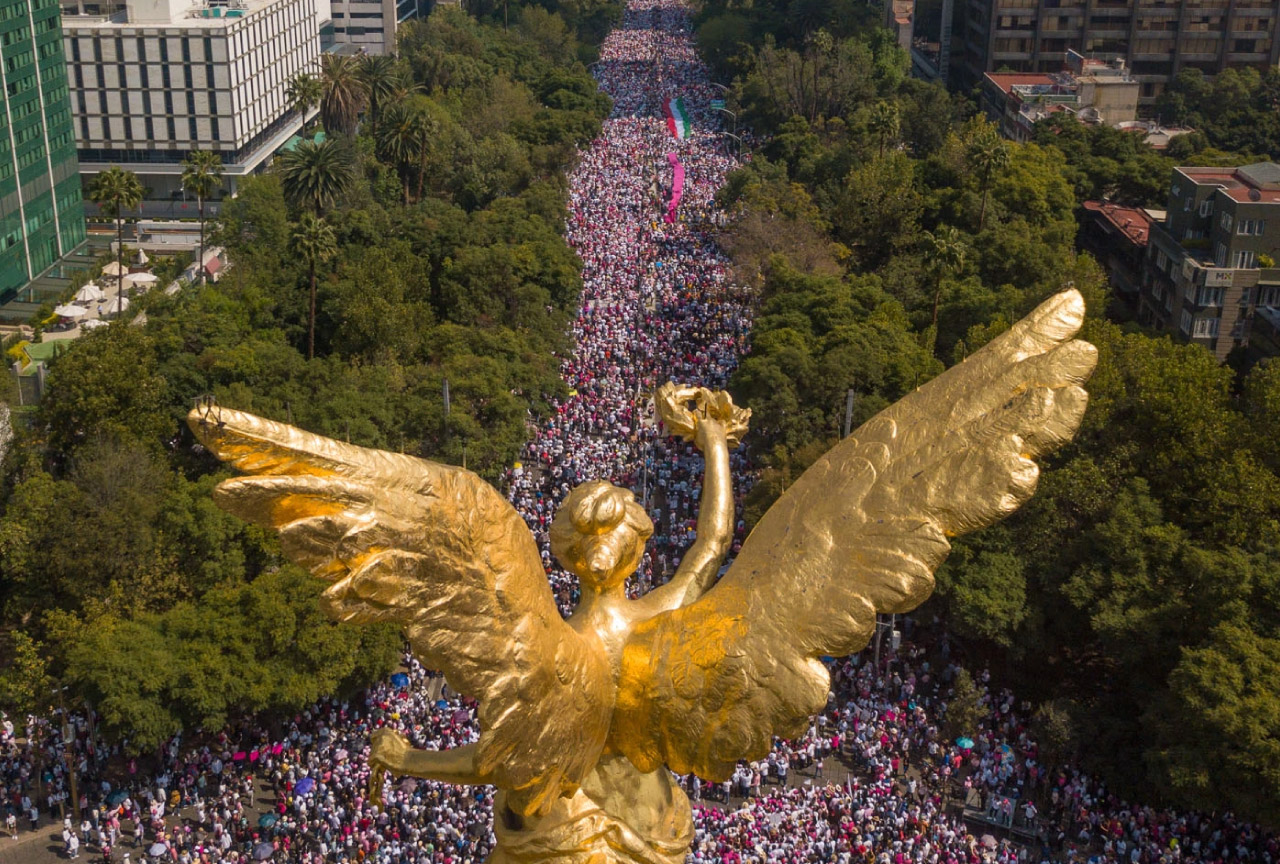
(1157, 38)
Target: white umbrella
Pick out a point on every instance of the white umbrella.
(114, 269)
(70, 311)
(93, 324)
(141, 257)
(142, 278)
(90, 293)
(117, 305)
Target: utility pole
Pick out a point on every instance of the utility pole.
(848, 412)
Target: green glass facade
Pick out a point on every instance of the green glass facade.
(41, 212)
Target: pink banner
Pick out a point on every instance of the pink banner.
(677, 187)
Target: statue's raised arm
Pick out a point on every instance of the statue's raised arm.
(437, 550)
(715, 426)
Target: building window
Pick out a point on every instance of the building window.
(1251, 227)
(1245, 259)
(1226, 222)
(1206, 328)
(1186, 323)
(1206, 207)
(1207, 296)
(1268, 295)
(1220, 255)
(1162, 261)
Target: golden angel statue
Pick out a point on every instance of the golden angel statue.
(583, 720)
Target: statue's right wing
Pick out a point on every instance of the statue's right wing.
(860, 532)
(438, 550)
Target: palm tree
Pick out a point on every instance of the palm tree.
(201, 176)
(987, 153)
(404, 140)
(315, 173)
(314, 242)
(380, 76)
(114, 191)
(945, 251)
(885, 122)
(304, 93)
(344, 92)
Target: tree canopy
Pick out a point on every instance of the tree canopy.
(427, 226)
(1134, 596)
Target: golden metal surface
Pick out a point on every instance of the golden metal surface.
(581, 718)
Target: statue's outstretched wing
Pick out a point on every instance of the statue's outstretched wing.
(438, 550)
(860, 532)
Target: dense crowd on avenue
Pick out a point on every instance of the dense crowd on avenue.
(657, 305)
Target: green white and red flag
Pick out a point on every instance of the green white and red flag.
(677, 118)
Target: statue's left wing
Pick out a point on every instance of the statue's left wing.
(860, 532)
(438, 550)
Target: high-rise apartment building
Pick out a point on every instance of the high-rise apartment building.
(370, 25)
(1211, 264)
(156, 79)
(1158, 38)
(41, 212)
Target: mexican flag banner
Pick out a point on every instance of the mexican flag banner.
(677, 117)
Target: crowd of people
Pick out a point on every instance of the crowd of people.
(658, 304)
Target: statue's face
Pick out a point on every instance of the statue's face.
(599, 534)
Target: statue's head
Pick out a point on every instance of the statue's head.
(599, 533)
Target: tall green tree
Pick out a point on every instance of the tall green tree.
(344, 93)
(314, 242)
(987, 155)
(885, 123)
(945, 251)
(404, 139)
(202, 176)
(316, 173)
(115, 191)
(380, 76)
(304, 93)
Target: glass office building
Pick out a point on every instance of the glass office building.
(41, 212)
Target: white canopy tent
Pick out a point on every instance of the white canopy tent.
(90, 293)
(117, 305)
(70, 311)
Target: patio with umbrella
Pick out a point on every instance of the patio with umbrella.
(144, 279)
(89, 293)
(93, 324)
(70, 311)
(141, 258)
(117, 305)
(114, 270)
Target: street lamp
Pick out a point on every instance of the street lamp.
(731, 114)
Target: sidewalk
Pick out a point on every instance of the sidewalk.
(37, 847)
